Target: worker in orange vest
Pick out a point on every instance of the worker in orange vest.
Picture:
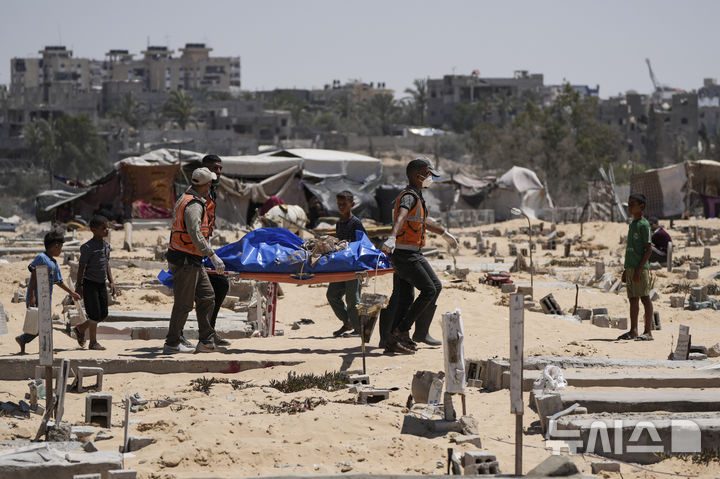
(188, 246)
(412, 270)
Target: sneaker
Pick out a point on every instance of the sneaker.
(186, 343)
(96, 347)
(180, 348)
(208, 348)
(345, 329)
(219, 341)
(397, 348)
(80, 336)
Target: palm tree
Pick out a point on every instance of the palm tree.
(380, 112)
(419, 98)
(132, 112)
(180, 108)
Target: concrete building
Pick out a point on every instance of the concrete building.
(629, 114)
(445, 93)
(56, 66)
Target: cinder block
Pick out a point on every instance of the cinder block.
(373, 395)
(84, 371)
(137, 443)
(507, 287)
(619, 323)
(584, 314)
(475, 383)
(677, 301)
(549, 305)
(98, 409)
(525, 290)
(356, 379)
(473, 369)
(477, 457)
(599, 311)
(601, 320)
(123, 474)
(692, 274)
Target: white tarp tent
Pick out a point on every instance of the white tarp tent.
(327, 163)
(518, 188)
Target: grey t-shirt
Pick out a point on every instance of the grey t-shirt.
(95, 255)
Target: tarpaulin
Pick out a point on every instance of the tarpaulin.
(277, 250)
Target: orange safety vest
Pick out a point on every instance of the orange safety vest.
(210, 208)
(412, 233)
(179, 237)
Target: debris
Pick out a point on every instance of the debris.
(605, 467)
(551, 379)
(422, 382)
(555, 465)
(714, 351)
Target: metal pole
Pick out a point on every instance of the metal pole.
(532, 269)
(518, 444)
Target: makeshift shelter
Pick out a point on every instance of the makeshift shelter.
(681, 188)
(518, 188)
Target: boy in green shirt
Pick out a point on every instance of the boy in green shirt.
(636, 274)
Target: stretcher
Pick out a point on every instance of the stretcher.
(266, 319)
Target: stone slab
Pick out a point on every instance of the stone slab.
(629, 378)
(674, 432)
(157, 329)
(622, 401)
(17, 368)
(127, 316)
(44, 461)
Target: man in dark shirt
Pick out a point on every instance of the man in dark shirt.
(346, 229)
(660, 241)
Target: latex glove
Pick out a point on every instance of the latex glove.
(389, 245)
(217, 263)
(451, 240)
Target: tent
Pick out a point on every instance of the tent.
(673, 190)
(518, 188)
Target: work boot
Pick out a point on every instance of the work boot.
(394, 347)
(422, 327)
(404, 338)
(347, 327)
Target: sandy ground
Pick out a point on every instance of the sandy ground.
(227, 433)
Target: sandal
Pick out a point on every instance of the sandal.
(626, 336)
(80, 336)
(644, 337)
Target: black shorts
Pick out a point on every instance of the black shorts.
(95, 297)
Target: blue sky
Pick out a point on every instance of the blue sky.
(307, 44)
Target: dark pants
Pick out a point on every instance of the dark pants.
(190, 286)
(351, 291)
(26, 337)
(403, 295)
(95, 298)
(220, 286)
(416, 272)
(657, 258)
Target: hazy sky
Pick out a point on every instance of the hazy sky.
(306, 44)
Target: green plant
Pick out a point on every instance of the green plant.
(330, 381)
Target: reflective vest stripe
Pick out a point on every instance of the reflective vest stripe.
(412, 233)
(179, 237)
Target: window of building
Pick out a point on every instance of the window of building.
(283, 122)
(684, 121)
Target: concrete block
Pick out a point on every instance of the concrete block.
(137, 443)
(85, 371)
(372, 395)
(656, 321)
(546, 405)
(707, 259)
(550, 305)
(637, 401)
(598, 467)
(477, 457)
(599, 311)
(123, 474)
(474, 369)
(475, 383)
(601, 320)
(697, 356)
(98, 409)
(87, 476)
(355, 379)
(692, 274)
(555, 465)
(584, 314)
(47, 460)
(421, 384)
(89, 447)
(507, 287)
(525, 291)
(599, 269)
(475, 440)
(420, 426)
(619, 323)
(82, 432)
(677, 301)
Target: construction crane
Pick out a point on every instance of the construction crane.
(661, 92)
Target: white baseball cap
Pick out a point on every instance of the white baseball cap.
(203, 176)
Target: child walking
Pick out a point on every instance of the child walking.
(345, 229)
(636, 274)
(53, 247)
(93, 271)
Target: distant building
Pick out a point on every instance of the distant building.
(445, 93)
(585, 91)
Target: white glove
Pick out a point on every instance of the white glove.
(451, 240)
(217, 263)
(389, 245)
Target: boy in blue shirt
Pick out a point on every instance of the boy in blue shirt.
(636, 274)
(345, 229)
(53, 247)
(93, 271)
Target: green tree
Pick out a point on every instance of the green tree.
(419, 99)
(379, 113)
(180, 108)
(131, 111)
(40, 140)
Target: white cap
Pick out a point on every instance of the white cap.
(203, 176)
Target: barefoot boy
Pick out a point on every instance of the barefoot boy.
(637, 273)
(53, 247)
(94, 269)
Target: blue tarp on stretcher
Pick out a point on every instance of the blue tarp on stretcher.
(277, 250)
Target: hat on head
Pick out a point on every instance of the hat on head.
(202, 176)
(418, 164)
